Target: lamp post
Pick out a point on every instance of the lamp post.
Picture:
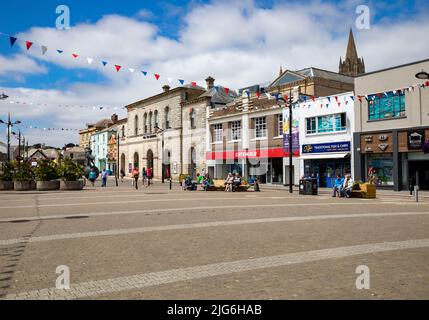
(9, 125)
(19, 143)
(289, 103)
(422, 75)
(159, 130)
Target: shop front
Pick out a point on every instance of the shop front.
(266, 164)
(325, 161)
(395, 159)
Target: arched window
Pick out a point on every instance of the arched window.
(192, 118)
(123, 131)
(150, 121)
(166, 118)
(136, 125)
(156, 119)
(145, 122)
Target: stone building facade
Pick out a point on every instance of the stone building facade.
(150, 122)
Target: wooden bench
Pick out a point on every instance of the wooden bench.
(219, 185)
(366, 191)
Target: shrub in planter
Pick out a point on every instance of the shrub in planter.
(23, 176)
(6, 176)
(46, 174)
(70, 174)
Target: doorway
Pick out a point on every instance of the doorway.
(422, 167)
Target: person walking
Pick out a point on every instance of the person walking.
(144, 176)
(104, 175)
(136, 175)
(92, 176)
(149, 176)
(122, 175)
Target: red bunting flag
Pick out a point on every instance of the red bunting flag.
(157, 76)
(286, 97)
(118, 68)
(28, 44)
(194, 84)
(336, 98)
(75, 55)
(379, 95)
(227, 90)
(427, 83)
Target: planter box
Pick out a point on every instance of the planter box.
(71, 185)
(47, 185)
(6, 185)
(24, 185)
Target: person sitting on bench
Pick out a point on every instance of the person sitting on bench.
(338, 186)
(236, 182)
(347, 186)
(228, 182)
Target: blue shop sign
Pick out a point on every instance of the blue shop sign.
(326, 147)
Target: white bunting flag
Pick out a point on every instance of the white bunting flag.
(170, 80)
(44, 49)
(90, 60)
(131, 70)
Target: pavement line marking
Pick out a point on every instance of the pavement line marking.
(155, 211)
(146, 280)
(133, 201)
(127, 231)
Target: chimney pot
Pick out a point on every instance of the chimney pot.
(166, 88)
(210, 83)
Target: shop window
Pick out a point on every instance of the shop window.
(383, 167)
(217, 132)
(235, 130)
(260, 127)
(326, 124)
(387, 106)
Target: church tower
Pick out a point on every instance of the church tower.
(352, 66)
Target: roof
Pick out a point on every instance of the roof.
(394, 67)
(289, 76)
(218, 95)
(48, 153)
(165, 93)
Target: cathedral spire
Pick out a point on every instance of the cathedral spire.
(351, 52)
(352, 65)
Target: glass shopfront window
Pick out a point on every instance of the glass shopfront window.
(326, 170)
(386, 106)
(383, 165)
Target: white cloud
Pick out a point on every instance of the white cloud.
(236, 42)
(19, 64)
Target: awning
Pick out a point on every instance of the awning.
(324, 156)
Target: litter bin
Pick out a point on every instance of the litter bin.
(312, 187)
(302, 187)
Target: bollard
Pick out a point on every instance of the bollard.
(416, 193)
(171, 183)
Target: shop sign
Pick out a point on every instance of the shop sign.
(368, 138)
(415, 139)
(383, 146)
(326, 147)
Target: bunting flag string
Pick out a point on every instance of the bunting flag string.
(51, 129)
(227, 90)
(27, 103)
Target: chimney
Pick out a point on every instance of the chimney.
(166, 88)
(114, 118)
(210, 83)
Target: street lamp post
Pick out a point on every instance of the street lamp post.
(159, 130)
(289, 103)
(9, 125)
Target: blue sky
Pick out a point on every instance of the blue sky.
(238, 42)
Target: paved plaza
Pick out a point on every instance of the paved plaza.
(156, 243)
